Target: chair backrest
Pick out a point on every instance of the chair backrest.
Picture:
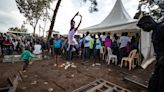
(109, 51)
(132, 54)
(102, 50)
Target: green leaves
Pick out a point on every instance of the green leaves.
(33, 9)
(150, 5)
(93, 5)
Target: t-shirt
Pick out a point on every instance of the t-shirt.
(86, 41)
(26, 55)
(71, 39)
(37, 49)
(57, 43)
(98, 44)
(103, 37)
(91, 43)
(108, 42)
(124, 41)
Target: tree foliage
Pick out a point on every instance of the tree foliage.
(155, 8)
(33, 10)
(93, 6)
(16, 29)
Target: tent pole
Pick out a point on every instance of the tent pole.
(140, 56)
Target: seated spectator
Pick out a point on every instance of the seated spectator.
(7, 47)
(37, 49)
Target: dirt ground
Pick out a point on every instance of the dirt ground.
(48, 76)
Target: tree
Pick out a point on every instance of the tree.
(16, 29)
(32, 10)
(151, 4)
(93, 5)
(46, 19)
(53, 19)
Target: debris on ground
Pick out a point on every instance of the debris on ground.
(93, 65)
(73, 65)
(24, 88)
(30, 63)
(55, 65)
(109, 70)
(101, 85)
(50, 89)
(97, 64)
(72, 75)
(25, 76)
(34, 82)
(45, 83)
(35, 75)
(62, 65)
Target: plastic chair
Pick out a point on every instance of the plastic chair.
(110, 56)
(129, 59)
(102, 52)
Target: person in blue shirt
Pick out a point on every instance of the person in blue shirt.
(57, 45)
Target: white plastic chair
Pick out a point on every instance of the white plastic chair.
(102, 52)
(110, 56)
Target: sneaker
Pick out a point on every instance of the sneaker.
(66, 67)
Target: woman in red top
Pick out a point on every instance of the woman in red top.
(7, 47)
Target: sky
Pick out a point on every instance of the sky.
(10, 16)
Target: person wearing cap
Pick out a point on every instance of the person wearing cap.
(156, 82)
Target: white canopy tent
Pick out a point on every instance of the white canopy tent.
(118, 20)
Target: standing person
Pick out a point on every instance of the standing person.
(86, 46)
(124, 39)
(81, 42)
(45, 48)
(26, 56)
(37, 48)
(108, 43)
(98, 46)
(51, 45)
(91, 43)
(115, 44)
(7, 44)
(156, 82)
(15, 43)
(1, 41)
(57, 47)
(103, 37)
(71, 39)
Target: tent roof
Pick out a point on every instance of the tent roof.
(117, 19)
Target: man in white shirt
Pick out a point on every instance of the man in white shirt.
(37, 49)
(86, 46)
(103, 37)
(124, 39)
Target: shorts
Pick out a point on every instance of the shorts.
(57, 51)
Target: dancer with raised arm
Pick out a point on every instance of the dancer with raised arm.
(71, 40)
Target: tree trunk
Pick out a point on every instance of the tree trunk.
(53, 19)
(34, 30)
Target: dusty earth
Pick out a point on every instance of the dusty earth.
(44, 75)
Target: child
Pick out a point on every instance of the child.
(26, 56)
(57, 46)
